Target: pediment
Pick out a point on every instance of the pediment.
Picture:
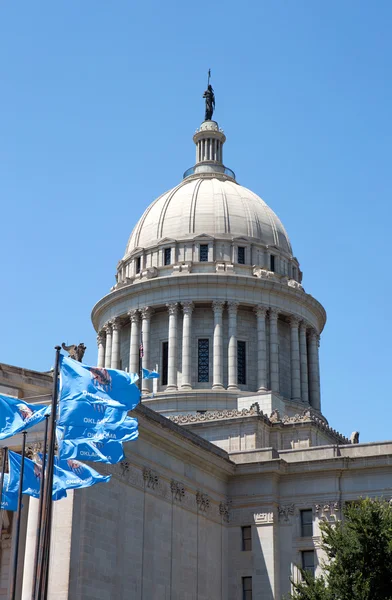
(204, 236)
(167, 240)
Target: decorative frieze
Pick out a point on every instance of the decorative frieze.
(285, 512)
(151, 478)
(224, 511)
(328, 511)
(178, 490)
(202, 501)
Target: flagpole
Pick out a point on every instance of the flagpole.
(141, 354)
(2, 483)
(44, 543)
(17, 531)
(40, 507)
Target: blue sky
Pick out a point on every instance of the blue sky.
(98, 106)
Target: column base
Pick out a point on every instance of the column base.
(171, 388)
(186, 387)
(262, 389)
(233, 388)
(218, 386)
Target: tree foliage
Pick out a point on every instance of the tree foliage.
(359, 556)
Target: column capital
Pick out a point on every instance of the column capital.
(312, 333)
(232, 307)
(294, 321)
(303, 325)
(101, 336)
(116, 324)
(260, 311)
(107, 327)
(172, 307)
(273, 313)
(146, 312)
(218, 306)
(134, 315)
(187, 307)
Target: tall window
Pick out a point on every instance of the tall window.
(241, 362)
(308, 561)
(137, 264)
(203, 358)
(167, 256)
(272, 262)
(246, 538)
(247, 588)
(165, 362)
(203, 256)
(306, 523)
(241, 255)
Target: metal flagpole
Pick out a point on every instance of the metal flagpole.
(17, 532)
(44, 544)
(141, 354)
(40, 507)
(2, 483)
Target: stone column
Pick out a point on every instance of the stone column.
(108, 349)
(146, 313)
(295, 360)
(173, 347)
(134, 341)
(304, 362)
(217, 374)
(274, 350)
(261, 348)
(186, 383)
(115, 362)
(101, 338)
(232, 351)
(314, 379)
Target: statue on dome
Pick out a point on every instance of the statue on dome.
(210, 99)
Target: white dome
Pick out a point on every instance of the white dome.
(211, 205)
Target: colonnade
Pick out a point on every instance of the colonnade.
(304, 344)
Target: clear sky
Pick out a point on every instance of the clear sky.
(99, 101)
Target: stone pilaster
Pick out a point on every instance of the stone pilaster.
(173, 347)
(115, 361)
(261, 312)
(101, 339)
(295, 360)
(217, 376)
(274, 350)
(232, 349)
(187, 308)
(303, 349)
(108, 349)
(134, 341)
(146, 314)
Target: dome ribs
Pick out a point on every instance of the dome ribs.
(192, 212)
(249, 222)
(161, 220)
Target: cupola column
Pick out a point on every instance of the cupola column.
(186, 382)
(304, 362)
(261, 348)
(232, 350)
(295, 360)
(314, 376)
(173, 347)
(146, 313)
(115, 361)
(108, 349)
(134, 344)
(101, 338)
(217, 374)
(274, 350)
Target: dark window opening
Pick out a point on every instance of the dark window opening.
(247, 588)
(203, 256)
(165, 362)
(203, 360)
(272, 262)
(241, 255)
(241, 362)
(306, 523)
(308, 561)
(246, 538)
(137, 263)
(167, 256)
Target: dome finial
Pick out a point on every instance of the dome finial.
(210, 99)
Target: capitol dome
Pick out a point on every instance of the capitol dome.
(212, 204)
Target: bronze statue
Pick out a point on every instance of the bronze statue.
(210, 99)
(75, 352)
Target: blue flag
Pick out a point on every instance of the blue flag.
(74, 474)
(126, 431)
(16, 415)
(87, 394)
(9, 500)
(31, 477)
(106, 451)
(150, 374)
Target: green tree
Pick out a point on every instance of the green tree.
(359, 556)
